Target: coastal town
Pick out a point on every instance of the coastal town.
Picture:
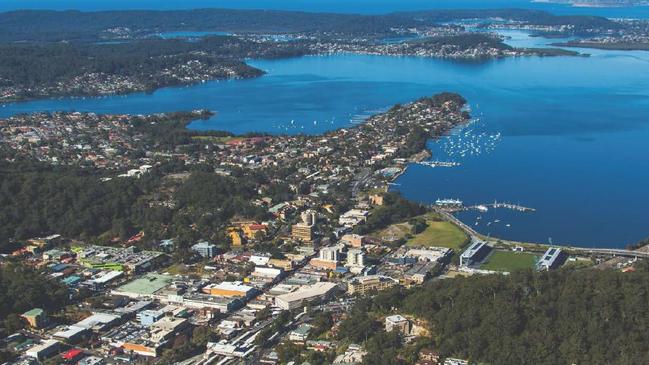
(272, 291)
(155, 238)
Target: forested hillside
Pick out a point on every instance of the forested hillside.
(565, 317)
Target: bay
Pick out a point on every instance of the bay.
(564, 135)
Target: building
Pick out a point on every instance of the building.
(205, 249)
(355, 258)
(366, 284)
(204, 301)
(552, 259)
(99, 322)
(267, 272)
(91, 360)
(327, 258)
(397, 323)
(452, 361)
(72, 355)
(284, 264)
(328, 254)
(475, 253)
(36, 318)
(254, 231)
(144, 287)
(309, 217)
(307, 293)
(300, 334)
(71, 334)
(427, 357)
(128, 259)
(418, 273)
(230, 289)
(302, 232)
(259, 260)
(353, 217)
(149, 317)
(353, 240)
(376, 199)
(44, 349)
(235, 237)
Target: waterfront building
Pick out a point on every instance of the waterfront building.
(475, 253)
(552, 259)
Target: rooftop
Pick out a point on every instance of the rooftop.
(146, 285)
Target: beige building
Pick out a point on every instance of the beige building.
(366, 284)
(302, 232)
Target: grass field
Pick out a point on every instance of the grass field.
(509, 261)
(216, 139)
(440, 234)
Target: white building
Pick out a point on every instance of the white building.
(328, 254)
(306, 293)
(353, 217)
(355, 258)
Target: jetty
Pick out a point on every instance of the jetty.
(439, 163)
(516, 207)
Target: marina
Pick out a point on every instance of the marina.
(439, 163)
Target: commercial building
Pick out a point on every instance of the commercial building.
(71, 334)
(366, 284)
(475, 253)
(128, 259)
(267, 272)
(306, 293)
(230, 289)
(205, 249)
(149, 317)
(44, 349)
(144, 287)
(552, 259)
(99, 322)
(202, 301)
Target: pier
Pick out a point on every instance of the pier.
(439, 163)
(516, 207)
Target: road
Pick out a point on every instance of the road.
(642, 252)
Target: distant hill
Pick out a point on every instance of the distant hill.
(598, 3)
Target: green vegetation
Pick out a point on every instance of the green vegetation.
(43, 25)
(37, 200)
(394, 209)
(510, 261)
(22, 288)
(560, 317)
(37, 68)
(439, 233)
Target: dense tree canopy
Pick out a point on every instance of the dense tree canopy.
(565, 317)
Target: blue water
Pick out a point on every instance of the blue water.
(573, 130)
(339, 6)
